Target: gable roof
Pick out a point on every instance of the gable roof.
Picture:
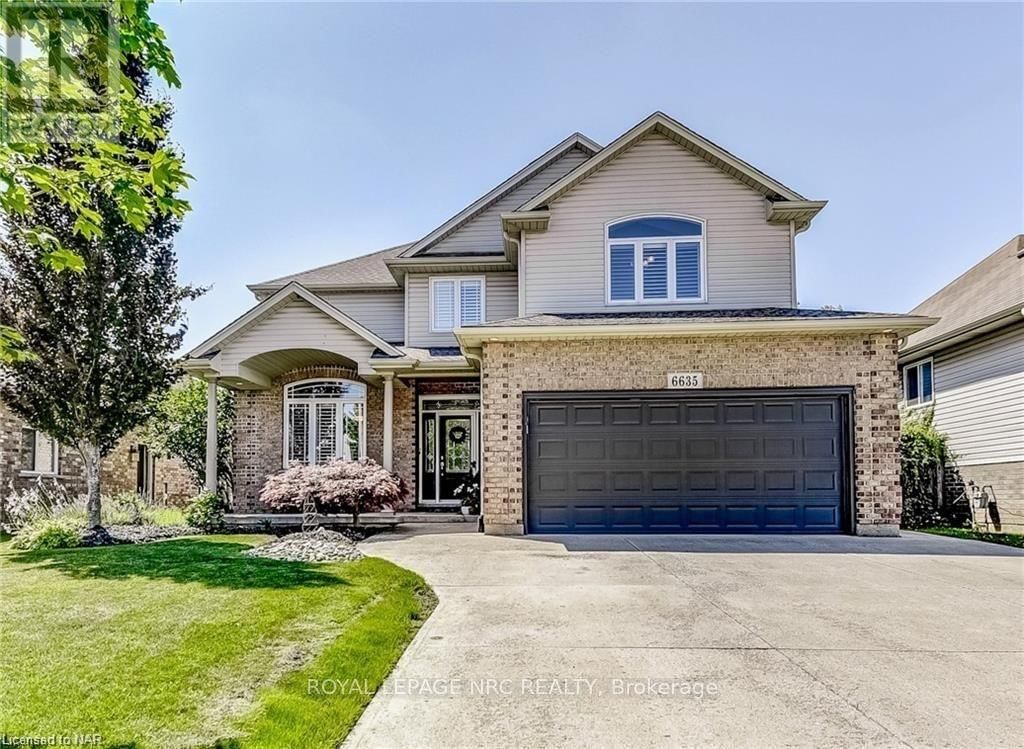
(362, 272)
(210, 346)
(662, 124)
(576, 140)
(976, 300)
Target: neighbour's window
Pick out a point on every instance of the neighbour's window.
(45, 452)
(917, 383)
(655, 259)
(324, 420)
(455, 302)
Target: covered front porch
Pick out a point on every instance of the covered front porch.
(313, 385)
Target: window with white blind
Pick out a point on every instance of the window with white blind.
(655, 260)
(455, 302)
(324, 420)
(45, 452)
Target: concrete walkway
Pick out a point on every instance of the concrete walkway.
(707, 641)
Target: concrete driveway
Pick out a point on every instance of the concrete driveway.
(707, 641)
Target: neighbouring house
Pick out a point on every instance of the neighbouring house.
(611, 334)
(969, 368)
(28, 455)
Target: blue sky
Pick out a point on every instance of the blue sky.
(318, 132)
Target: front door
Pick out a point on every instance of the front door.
(449, 454)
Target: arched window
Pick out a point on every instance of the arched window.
(655, 260)
(324, 420)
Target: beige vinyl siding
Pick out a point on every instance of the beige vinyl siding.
(500, 297)
(482, 234)
(979, 398)
(293, 325)
(749, 261)
(381, 312)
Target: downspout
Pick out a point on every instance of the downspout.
(519, 265)
(792, 261)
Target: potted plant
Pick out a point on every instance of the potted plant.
(468, 492)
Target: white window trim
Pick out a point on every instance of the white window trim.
(638, 243)
(917, 402)
(458, 300)
(310, 441)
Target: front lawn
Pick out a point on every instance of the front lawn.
(1006, 539)
(187, 643)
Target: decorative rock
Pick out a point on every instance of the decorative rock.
(134, 534)
(141, 534)
(319, 545)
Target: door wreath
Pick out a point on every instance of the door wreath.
(457, 435)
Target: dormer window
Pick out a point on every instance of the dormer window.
(655, 260)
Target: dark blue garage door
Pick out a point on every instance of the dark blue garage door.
(666, 463)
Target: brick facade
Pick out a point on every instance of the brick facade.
(865, 362)
(172, 481)
(259, 428)
(259, 431)
(1004, 484)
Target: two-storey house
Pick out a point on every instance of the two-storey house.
(611, 335)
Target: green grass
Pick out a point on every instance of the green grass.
(1006, 539)
(185, 643)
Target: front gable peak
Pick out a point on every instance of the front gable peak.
(785, 204)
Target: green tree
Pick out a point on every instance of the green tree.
(102, 339)
(87, 45)
(178, 428)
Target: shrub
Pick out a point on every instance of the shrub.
(924, 456)
(125, 508)
(206, 511)
(48, 533)
(352, 486)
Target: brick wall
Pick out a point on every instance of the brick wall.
(172, 481)
(866, 362)
(259, 430)
(1004, 484)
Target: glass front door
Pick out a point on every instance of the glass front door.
(449, 453)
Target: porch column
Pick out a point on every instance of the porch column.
(211, 436)
(389, 395)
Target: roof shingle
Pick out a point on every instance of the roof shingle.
(632, 318)
(993, 285)
(365, 271)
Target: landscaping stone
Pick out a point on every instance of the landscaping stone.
(134, 534)
(140, 534)
(320, 545)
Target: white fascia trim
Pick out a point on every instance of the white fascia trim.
(641, 129)
(473, 337)
(292, 289)
(576, 139)
(964, 333)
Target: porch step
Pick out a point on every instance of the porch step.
(269, 520)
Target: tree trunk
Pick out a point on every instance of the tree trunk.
(91, 459)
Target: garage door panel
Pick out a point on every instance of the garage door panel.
(638, 463)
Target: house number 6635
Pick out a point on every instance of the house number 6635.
(686, 380)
